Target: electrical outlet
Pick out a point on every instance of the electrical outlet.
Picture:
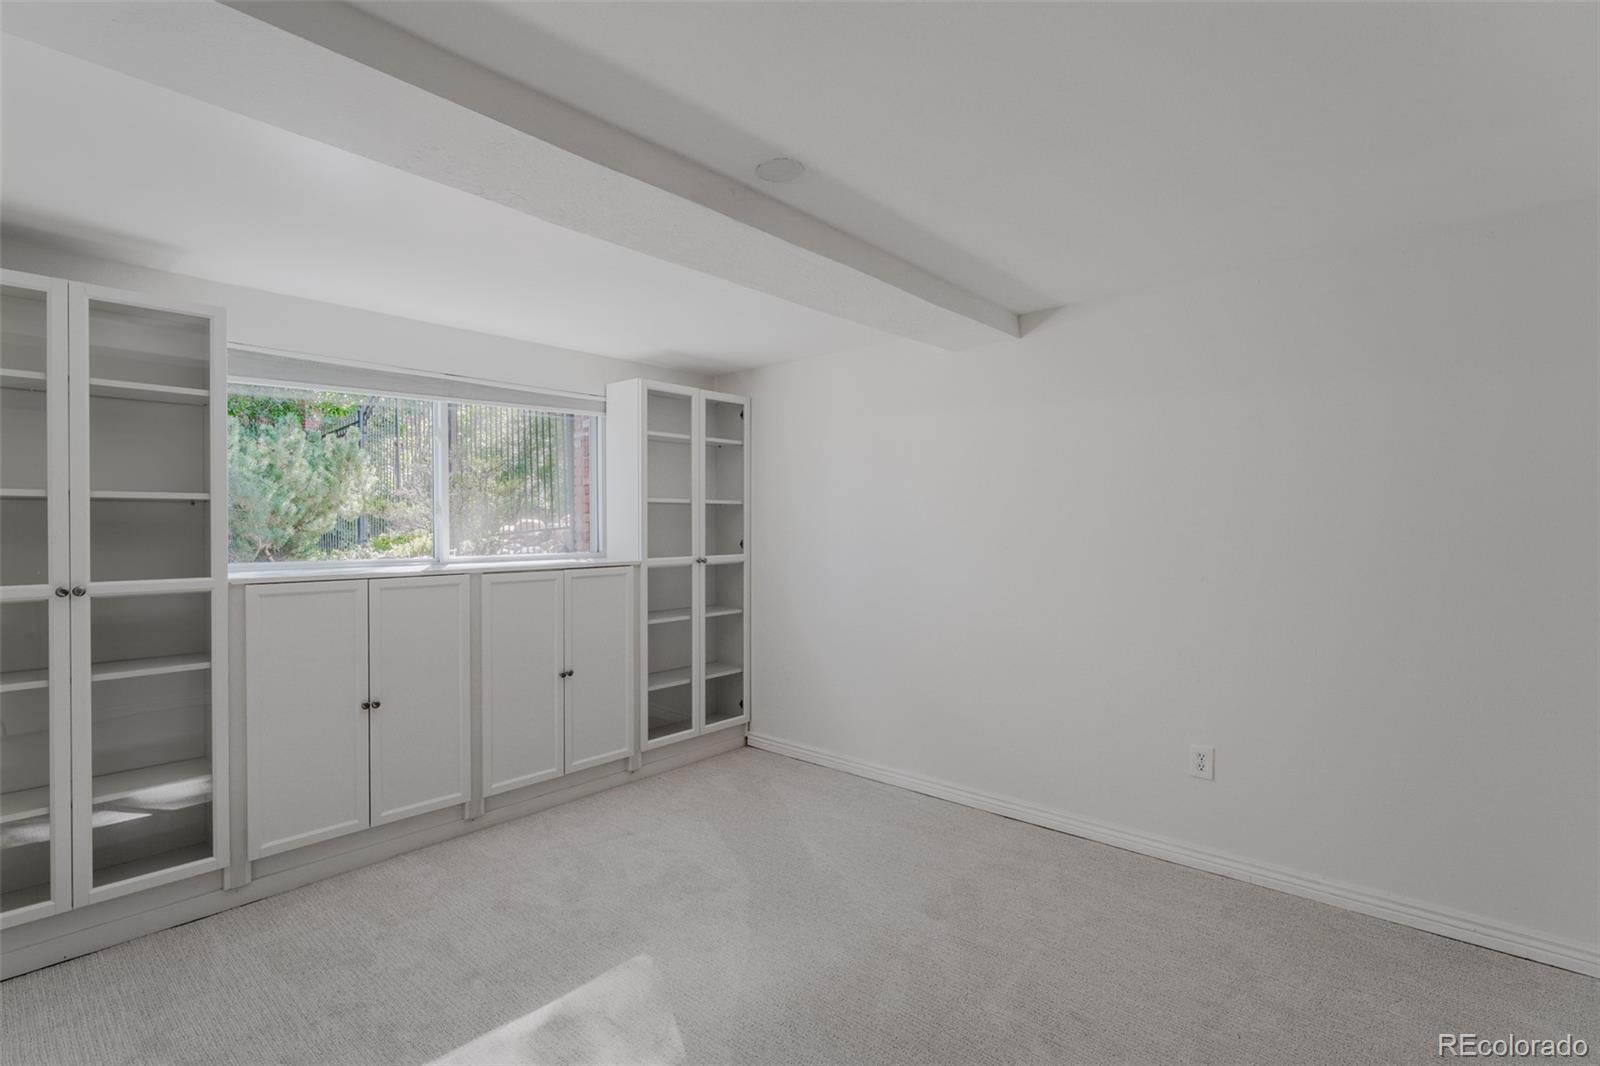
(1202, 762)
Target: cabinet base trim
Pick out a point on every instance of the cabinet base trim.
(60, 937)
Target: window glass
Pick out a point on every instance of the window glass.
(316, 476)
(521, 481)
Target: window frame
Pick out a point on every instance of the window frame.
(442, 558)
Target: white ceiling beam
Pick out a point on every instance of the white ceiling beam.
(335, 74)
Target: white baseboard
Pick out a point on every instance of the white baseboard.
(1418, 914)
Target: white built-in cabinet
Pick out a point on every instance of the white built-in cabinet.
(677, 497)
(113, 688)
(557, 673)
(357, 705)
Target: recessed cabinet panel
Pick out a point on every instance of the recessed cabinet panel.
(421, 696)
(305, 686)
(600, 676)
(522, 637)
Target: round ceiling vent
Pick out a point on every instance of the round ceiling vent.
(780, 169)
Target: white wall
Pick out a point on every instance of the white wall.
(310, 327)
(1336, 518)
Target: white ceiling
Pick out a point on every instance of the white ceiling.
(1045, 154)
(121, 168)
(1033, 154)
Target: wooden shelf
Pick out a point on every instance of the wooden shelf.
(683, 675)
(114, 389)
(24, 804)
(32, 380)
(151, 586)
(663, 435)
(23, 680)
(165, 786)
(716, 670)
(669, 560)
(165, 664)
(674, 615)
(683, 614)
(670, 678)
(118, 494)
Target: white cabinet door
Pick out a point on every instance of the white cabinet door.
(600, 671)
(306, 731)
(522, 664)
(420, 693)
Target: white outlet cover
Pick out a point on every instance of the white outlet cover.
(1203, 762)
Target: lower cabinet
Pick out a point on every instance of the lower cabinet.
(358, 701)
(357, 705)
(557, 673)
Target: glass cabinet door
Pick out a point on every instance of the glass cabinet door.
(35, 731)
(669, 593)
(146, 704)
(722, 639)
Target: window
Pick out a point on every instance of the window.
(520, 481)
(327, 476)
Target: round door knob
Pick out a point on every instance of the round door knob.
(79, 590)
(367, 705)
(61, 590)
(376, 704)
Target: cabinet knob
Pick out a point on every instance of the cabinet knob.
(376, 704)
(79, 590)
(61, 590)
(366, 705)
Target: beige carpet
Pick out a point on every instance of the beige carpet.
(792, 914)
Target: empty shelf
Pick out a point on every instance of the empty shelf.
(722, 670)
(143, 390)
(167, 786)
(719, 612)
(23, 494)
(151, 586)
(166, 860)
(663, 435)
(23, 680)
(673, 614)
(164, 664)
(24, 804)
(726, 503)
(668, 499)
(119, 494)
(670, 678)
(32, 380)
(726, 442)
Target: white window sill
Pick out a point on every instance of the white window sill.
(261, 574)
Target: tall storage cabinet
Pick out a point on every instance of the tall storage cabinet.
(678, 479)
(113, 510)
(357, 705)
